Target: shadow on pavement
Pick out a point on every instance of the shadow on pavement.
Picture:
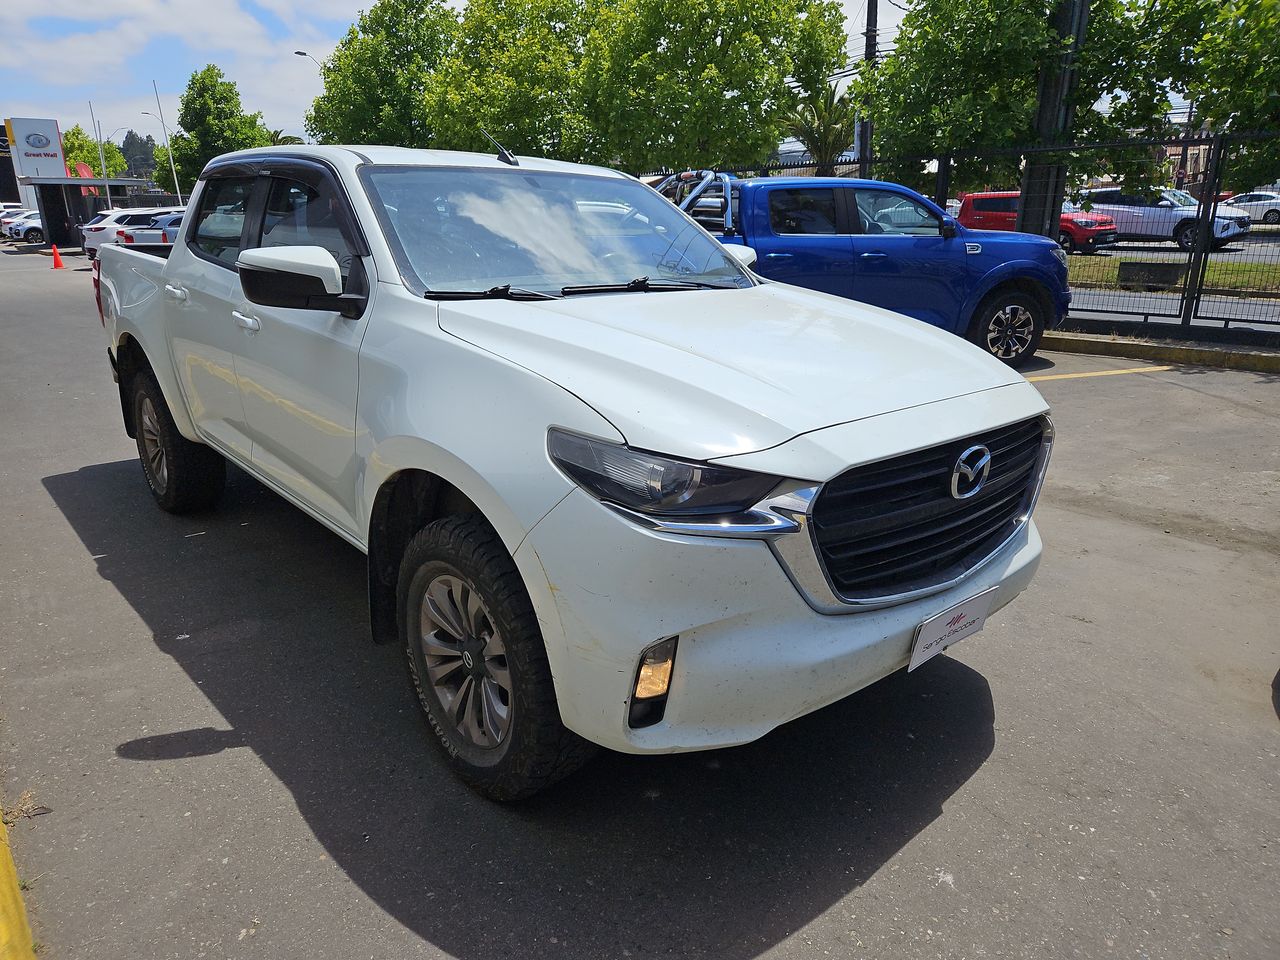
(723, 854)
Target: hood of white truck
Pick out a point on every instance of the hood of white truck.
(715, 373)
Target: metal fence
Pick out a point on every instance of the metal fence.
(1187, 262)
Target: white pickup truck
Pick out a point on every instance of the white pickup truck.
(614, 488)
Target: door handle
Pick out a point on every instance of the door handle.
(778, 256)
(252, 324)
(175, 293)
(875, 255)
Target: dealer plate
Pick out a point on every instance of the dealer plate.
(951, 626)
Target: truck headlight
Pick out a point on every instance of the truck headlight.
(654, 484)
(1061, 255)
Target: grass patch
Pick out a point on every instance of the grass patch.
(1219, 275)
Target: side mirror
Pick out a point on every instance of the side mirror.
(1165, 203)
(743, 254)
(301, 278)
(947, 228)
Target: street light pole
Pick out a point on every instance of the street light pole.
(303, 53)
(167, 145)
(102, 154)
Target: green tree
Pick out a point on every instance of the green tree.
(138, 151)
(1239, 89)
(963, 76)
(511, 71)
(375, 78)
(79, 147)
(825, 125)
(670, 83)
(213, 122)
(278, 138)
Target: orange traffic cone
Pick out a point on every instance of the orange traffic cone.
(57, 260)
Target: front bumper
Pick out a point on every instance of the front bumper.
(1226, 229)
(752, 653)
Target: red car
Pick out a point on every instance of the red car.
(1078, 232)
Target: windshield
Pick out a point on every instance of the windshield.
(1180, 197)
(466, 229)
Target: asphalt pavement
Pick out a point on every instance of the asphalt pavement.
(233, 770)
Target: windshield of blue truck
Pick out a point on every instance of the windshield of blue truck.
(455, 228)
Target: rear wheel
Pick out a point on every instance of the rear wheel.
(1272, 217)
(478, 663)
(1008, 325)
(183, 476)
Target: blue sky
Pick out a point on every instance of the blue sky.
(110, 51)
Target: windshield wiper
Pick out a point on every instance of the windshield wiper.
(504, 292)
(643, 284)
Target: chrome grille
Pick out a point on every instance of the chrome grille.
(892, 526)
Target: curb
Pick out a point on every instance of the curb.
(15, 934)
(1195, 354)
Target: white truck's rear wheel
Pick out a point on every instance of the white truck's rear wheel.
(183, 476)
(478, 664)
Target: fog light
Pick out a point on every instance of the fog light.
(653, 679)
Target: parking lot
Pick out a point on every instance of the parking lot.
(231, 768)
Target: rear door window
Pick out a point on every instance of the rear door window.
(220, 220)
(809, 211)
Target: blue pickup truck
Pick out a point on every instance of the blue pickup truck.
(886, 245)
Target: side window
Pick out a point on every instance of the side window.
(300, 215)
(1105, 196)
(883, 211)
(220, 219)
(806, 211)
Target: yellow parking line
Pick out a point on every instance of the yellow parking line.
(15, 935)
(1097, 373)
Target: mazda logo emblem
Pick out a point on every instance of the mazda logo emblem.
(970, 472)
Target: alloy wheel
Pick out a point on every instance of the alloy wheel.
(1271, 216)
(152, 447)
(466, 661)
(1010, 331)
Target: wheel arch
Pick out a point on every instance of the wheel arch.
(407, 498)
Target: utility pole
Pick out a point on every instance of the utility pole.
(102, 156)
(1044, 184)
(868, 58)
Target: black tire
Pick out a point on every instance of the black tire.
(999, 326)
(92, 254)
(1066, 243)
(34, 236)
(183, 476)
(535, 749)
(1185, 235)
(1272, 217)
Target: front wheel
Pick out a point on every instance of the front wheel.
(478, 664)
(1066, 243)
(1009, 326)
(183, 476)
(1186, 236)
(34, 236)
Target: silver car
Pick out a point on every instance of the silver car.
(1162, 215)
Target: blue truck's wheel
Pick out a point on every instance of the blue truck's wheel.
(1008, 324)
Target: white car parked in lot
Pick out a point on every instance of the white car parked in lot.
(614, 489)
(108, 226)
(1262, 206)
(1162, 215)
(25, 227)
